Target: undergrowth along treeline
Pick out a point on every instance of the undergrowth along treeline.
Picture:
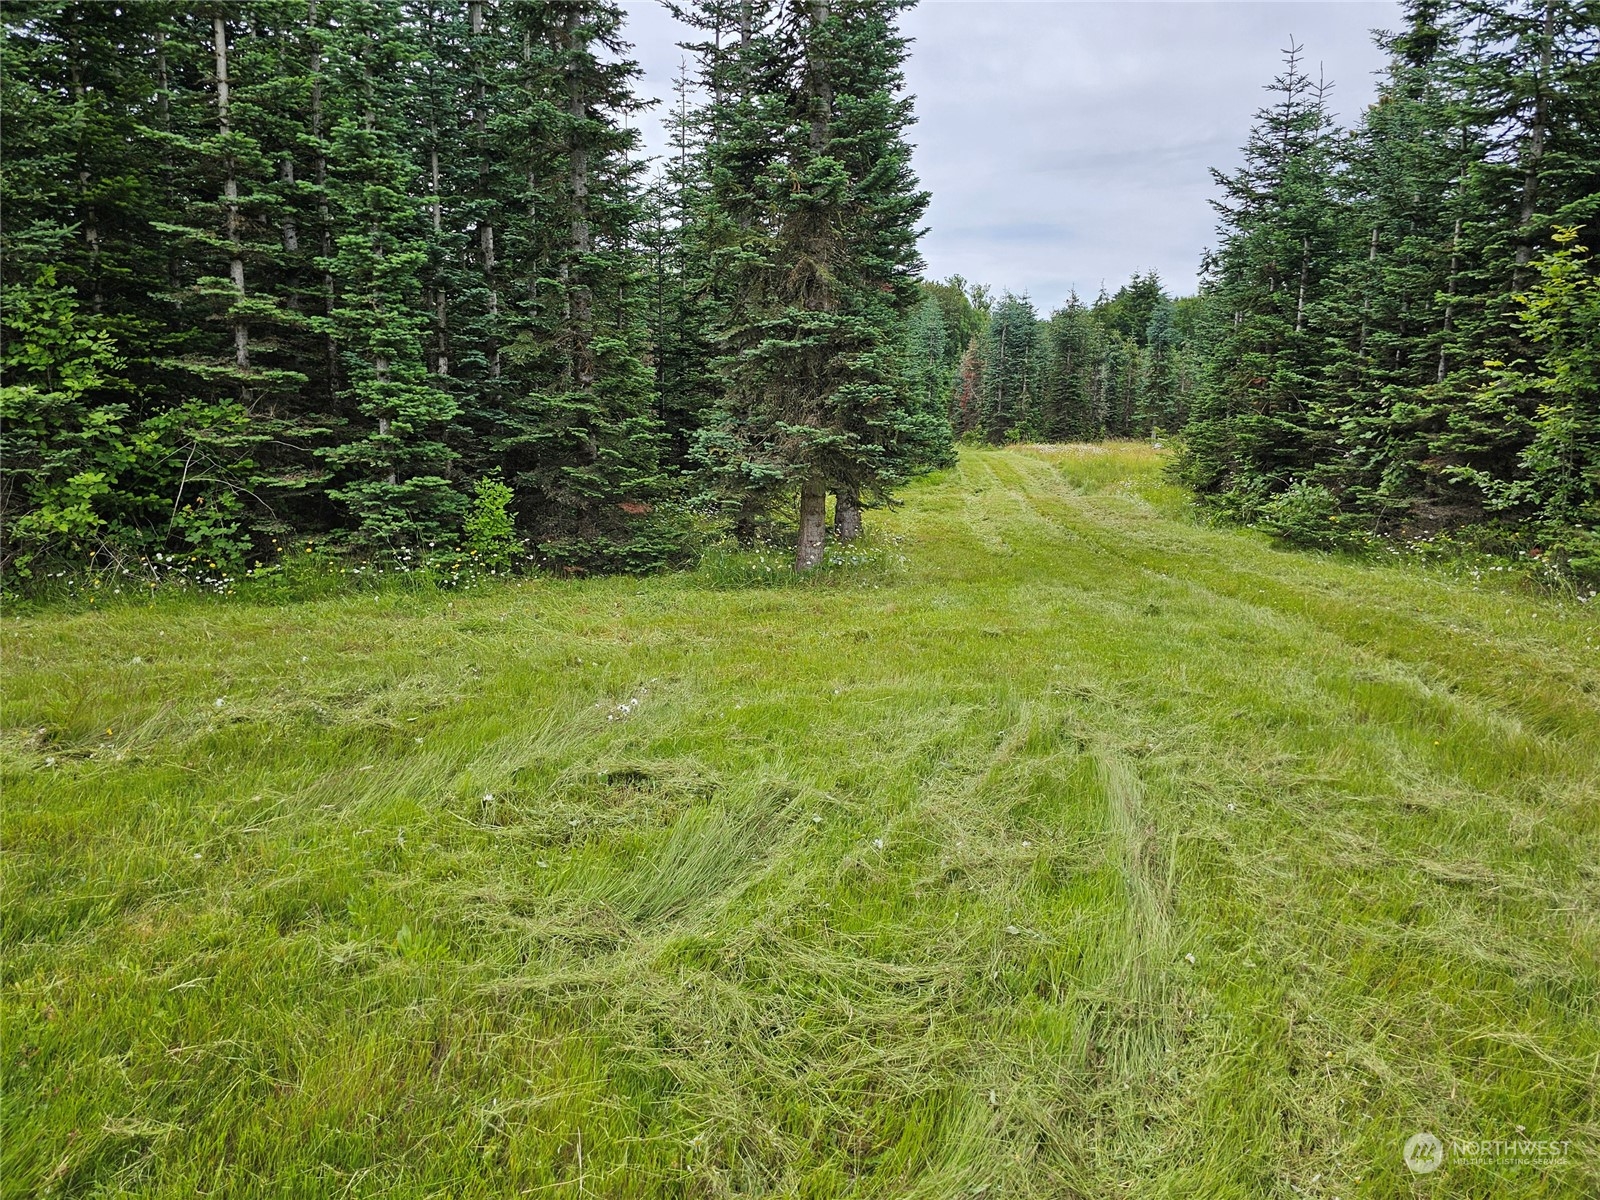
(372, 270)
(1398, 331)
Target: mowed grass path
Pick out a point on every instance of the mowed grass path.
(1088, 853)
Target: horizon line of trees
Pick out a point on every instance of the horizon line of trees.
(388, 271)
(1121, 366)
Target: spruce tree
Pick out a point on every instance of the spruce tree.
(586, 460)
(1253, 426)
(1010, 399)
(1073, 345)
(1527, 74)
(812, 176)
(392, 463)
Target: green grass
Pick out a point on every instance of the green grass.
(1058, 847)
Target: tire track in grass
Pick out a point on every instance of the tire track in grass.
(1532, 758)
(1353, 606)
(1295, 912)
(1406, 659)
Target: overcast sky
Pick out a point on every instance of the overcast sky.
(1067, 144)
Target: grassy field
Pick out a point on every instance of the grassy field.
(1060, 847)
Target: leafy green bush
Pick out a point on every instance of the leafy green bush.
(86, 474)
(490, 532)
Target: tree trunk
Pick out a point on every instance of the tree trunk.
(818, 86)
(486, 226)
(1536, 136)
(380, 359)
(380, 369)
(1305, 270)
(813, 524)
(164, 120)
(319, 172)
(1366, 299)
(582, 303)
(91, 221)
(1450, 302)
(433, 175)
(291, 238)
(847, 514)
(230, 195)
(441, 327)
(744, 526)
(291, 234)
(439, 294)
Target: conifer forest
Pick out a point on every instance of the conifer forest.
(391, 274)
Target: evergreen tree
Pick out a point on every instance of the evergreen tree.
(966, 401)
(687, 301)
(812, 175)
(1482, 137)
(1556, 483)
(1072, 402)
(1253, 423)
(929, 437)
(1009, 401)
(1161, 403)
(586, 463)
(392, 463)
(1527, 78)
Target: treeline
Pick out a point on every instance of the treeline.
(391, 273)
(1123, 366)
(1399, 327)
(1398, 332)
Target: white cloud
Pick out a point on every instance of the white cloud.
(1068, 144)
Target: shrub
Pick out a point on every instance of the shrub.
(1308, 514)
(490, 532)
